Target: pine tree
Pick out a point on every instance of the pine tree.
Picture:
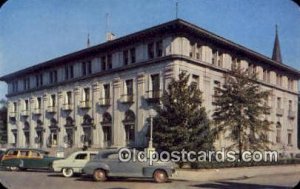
(181, 121)
(240, 112)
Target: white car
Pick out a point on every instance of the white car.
(73, 163)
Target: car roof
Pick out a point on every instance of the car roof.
(88, 151)
(29, 149)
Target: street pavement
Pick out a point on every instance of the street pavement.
(47, 180)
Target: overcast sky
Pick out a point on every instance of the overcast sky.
(34, 31)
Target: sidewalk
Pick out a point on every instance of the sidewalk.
(233, 173)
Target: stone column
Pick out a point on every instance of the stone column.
(117, 136)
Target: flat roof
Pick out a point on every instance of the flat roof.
(173, 26)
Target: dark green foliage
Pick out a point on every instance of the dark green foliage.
(181, 122)
(240, 111)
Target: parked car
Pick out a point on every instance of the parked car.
(22, 159)
(73, 163)
(107, 164)
(1, 153)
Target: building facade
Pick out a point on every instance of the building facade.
(102, 96)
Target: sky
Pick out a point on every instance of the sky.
(34, 31)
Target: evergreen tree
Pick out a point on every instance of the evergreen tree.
(181, 121)
(240, 111)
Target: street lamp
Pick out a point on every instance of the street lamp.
(150, 148)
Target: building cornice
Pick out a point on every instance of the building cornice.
(164, 59)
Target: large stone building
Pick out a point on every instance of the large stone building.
(102, 96)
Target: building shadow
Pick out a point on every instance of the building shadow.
(235, 185)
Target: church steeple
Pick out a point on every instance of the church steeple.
(276, 50)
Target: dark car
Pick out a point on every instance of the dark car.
(22, 159)
(107, 164)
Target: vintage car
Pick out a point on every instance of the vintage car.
(73, 163)
(22, 159)
(107, 164)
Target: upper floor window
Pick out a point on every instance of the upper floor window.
(69, 97)
(235, 63)
(39, 102)
(109, 61)
(132, 55)
(195, 81)
(278, 102)
(279, 79)
(53, 76)
(69, 72)
(26, 105)
(106, 91)
(26, 83)
(15, 86)
(129, 87)
(151, 50)
(15, 107)
(125, 57)
(214, 57)
(220, 59)
(251, 68)
(155, 82)
(53, 100)
(103, 63)
(86, 94)
(39, 80)
(86, 68)
(290, 105)
(159, 48)
(266, 75)
(290, 84)
(192, 49)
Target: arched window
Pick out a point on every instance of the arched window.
(87, 124)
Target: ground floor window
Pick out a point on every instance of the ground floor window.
(290, 139)
(129, 131)
(107, 134)
(129, 124)
(53, 138)
(107, 129)
(87, 136)
(69, 138)
(40, 138)
(15, 137)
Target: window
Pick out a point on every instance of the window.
(192, 49)
(26, 83)
(214, 57)
(26, 105)
(103, 63)
(69, 97)
(35, 154)
(278, 102)
(195, 81)
(159, 48)
(53, 76)
(129, 131)
(81, 156)
(53, 100)
(217, 85)
(39, 103)
(92, 156)
(86, 94)
(155, 82)
(129, 87)
(220, 60)
(83, 69)
(150, 50)
(266, 75)
(15, 107)
(107, 133)
(290, 84)
(279, 79)
(38, 80)
(106, 91)
(198, 52)
(251, 68)
(290, 139)
(15, 86)
(235, 63)
(71, 70)
(132, 55)
(109, 61)
(66, 72)
(290, 105)
(89, 67)
(278, 132)
(125, 57)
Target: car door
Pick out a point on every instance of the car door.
(80, 160)
(36, 160)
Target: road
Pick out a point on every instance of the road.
(48, 180)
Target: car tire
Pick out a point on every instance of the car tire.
(99, 175)
(67, 172)
(160, 176)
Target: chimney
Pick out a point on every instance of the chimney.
(110, 36)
